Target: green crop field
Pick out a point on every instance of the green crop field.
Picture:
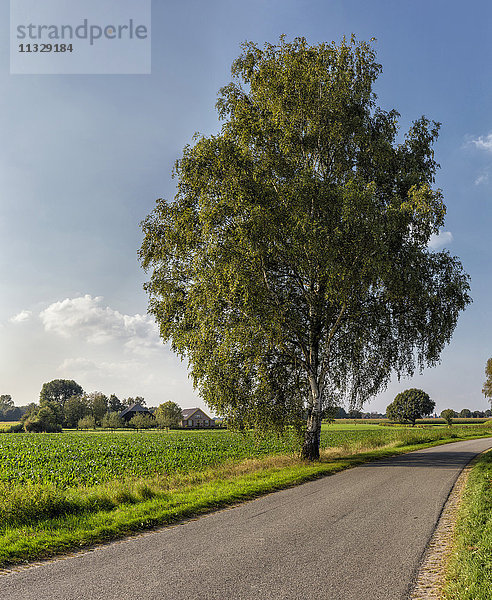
(89, 458)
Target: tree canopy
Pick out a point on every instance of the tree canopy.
(410, 405)
(59, 391)
(448, 414)
(487, 386)
(168, 414)
(292, 269)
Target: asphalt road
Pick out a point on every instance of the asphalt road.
(357, 535)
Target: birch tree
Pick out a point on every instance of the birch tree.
(292, 269)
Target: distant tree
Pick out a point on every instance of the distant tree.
(115, 404)
(465, 413)
(9, 412)
(130, 400)
(410, 405)
(487, 386)
(142, 421)
(6, 400)
(30, 410)
(59, 390)
(75, 408)
(88, 422)
(46, 418)
(448, 415)
(341, 413)
(98, 404)
(112, 420)
(478, 414)
(168, 414)
(354, 414)
(330, 413)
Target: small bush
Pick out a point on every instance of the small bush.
(88, 422)
(17, 428)
(36, 425)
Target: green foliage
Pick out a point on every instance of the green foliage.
(59, 390)
(115, 404)
(168, 414)
(142, 421)
(448, 415)
(487, 386)
(88, 422)
(98, 404)
(74, 409)
(410, 405)
(47, 418)
(112, 420)
(293, 267)
(469, 572)
(9, 412)
(330, 413)
(137, 400)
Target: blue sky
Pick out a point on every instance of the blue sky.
(84, 157)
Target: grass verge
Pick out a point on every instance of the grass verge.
(57, 521)
(469, 572)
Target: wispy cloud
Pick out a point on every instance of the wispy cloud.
(483, 142)
(482, 179)
(442, 239)
(21, 317)
(87, 318)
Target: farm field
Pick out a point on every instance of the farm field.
(89, 458)
(75, 488)
(7, 424)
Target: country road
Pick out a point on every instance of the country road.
(357, 535)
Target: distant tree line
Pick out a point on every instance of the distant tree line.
(64, 403)
(9, 412)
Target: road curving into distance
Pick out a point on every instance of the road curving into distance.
(356, 535)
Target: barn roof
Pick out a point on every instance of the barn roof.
(136, 408)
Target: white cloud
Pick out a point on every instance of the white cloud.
(21, 317)
(87, 318)
(482, 179)
(79, 365)
(483, 142)
(442, 239)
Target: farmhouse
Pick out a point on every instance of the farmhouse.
(134, 409)
(195, 417)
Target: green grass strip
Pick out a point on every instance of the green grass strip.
(469, 573)
(43, 538)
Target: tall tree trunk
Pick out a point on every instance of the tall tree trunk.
(310, 448)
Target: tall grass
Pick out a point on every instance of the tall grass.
(469, 575)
